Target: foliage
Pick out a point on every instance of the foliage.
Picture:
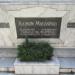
(32, 51)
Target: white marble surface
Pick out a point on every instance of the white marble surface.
(49, 67)
(64, 52)
(8, 52)
(8, 36)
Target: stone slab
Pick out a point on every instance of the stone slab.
(67, 63)
(48, 67)
(4, 73)
(8, 52)
(7, 64)
(64, 52)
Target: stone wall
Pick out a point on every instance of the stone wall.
(8, 52)
(8, 36)
(64, 52)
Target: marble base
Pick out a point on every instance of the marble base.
(48, 67)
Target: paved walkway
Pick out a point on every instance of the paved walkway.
(67, 62)
(7, 62)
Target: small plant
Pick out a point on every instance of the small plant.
(31, 51)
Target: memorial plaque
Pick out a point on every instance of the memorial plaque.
(71, 25)
(38, 27)
(4, 25)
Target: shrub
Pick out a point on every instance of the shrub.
(31, 51)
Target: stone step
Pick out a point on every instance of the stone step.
(6, 73)
(7, 64)
(67, 70)
(66, 74)
(7, 69)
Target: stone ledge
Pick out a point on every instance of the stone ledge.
(67, 70)
(48, 67)
(3, 69)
